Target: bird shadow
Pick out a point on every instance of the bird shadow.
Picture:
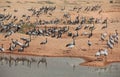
(66, 51)
(39, 48)
(83, 49)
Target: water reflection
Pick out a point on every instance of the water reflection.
(15, 60)
(31, 66)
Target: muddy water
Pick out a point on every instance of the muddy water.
(56, 67)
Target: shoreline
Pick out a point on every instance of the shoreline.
(87, 60)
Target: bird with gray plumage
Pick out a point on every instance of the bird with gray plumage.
(106, 25)
(8, 34)
(112, 41)
(105, 52)
(78, 27)
(70, 34)
(75, 35)
(89, 43)
(86, 27)
(26, 44)
(18, 27)
(2, 48)
(97, 54)
(71, 45)
(102, 37)
(116, 39)
(26, 39)
(109, 45)
(18, 43)
(90, 34)
(13, 41)
(44, 42)
(21, 49)
(12, 46)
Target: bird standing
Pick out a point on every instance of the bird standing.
(1, 48)
(44, 42)
(12, 46)
(97, 54)
(71, 45)
(89, 43)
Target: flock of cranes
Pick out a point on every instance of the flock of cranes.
(84, 23)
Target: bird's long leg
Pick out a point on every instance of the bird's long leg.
(38, 63)
(97, 57)
(43, 46)
(111, 51)
(16, 62)
(46, 64)
(76, 48)
(1, 62)
(89, 48)
(105, 59)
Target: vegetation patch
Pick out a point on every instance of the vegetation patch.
(26, 27)
(49, 2)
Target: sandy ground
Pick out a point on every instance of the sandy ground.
(56, 47)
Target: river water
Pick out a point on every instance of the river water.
(56, 67)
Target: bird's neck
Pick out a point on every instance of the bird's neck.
(23, 48)
(73, 42)
(91, 31)
(77, 33)
(106, 24)
(30, 37)
(116, 32)
(2, 46)
(10, 45)
(46, 40)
